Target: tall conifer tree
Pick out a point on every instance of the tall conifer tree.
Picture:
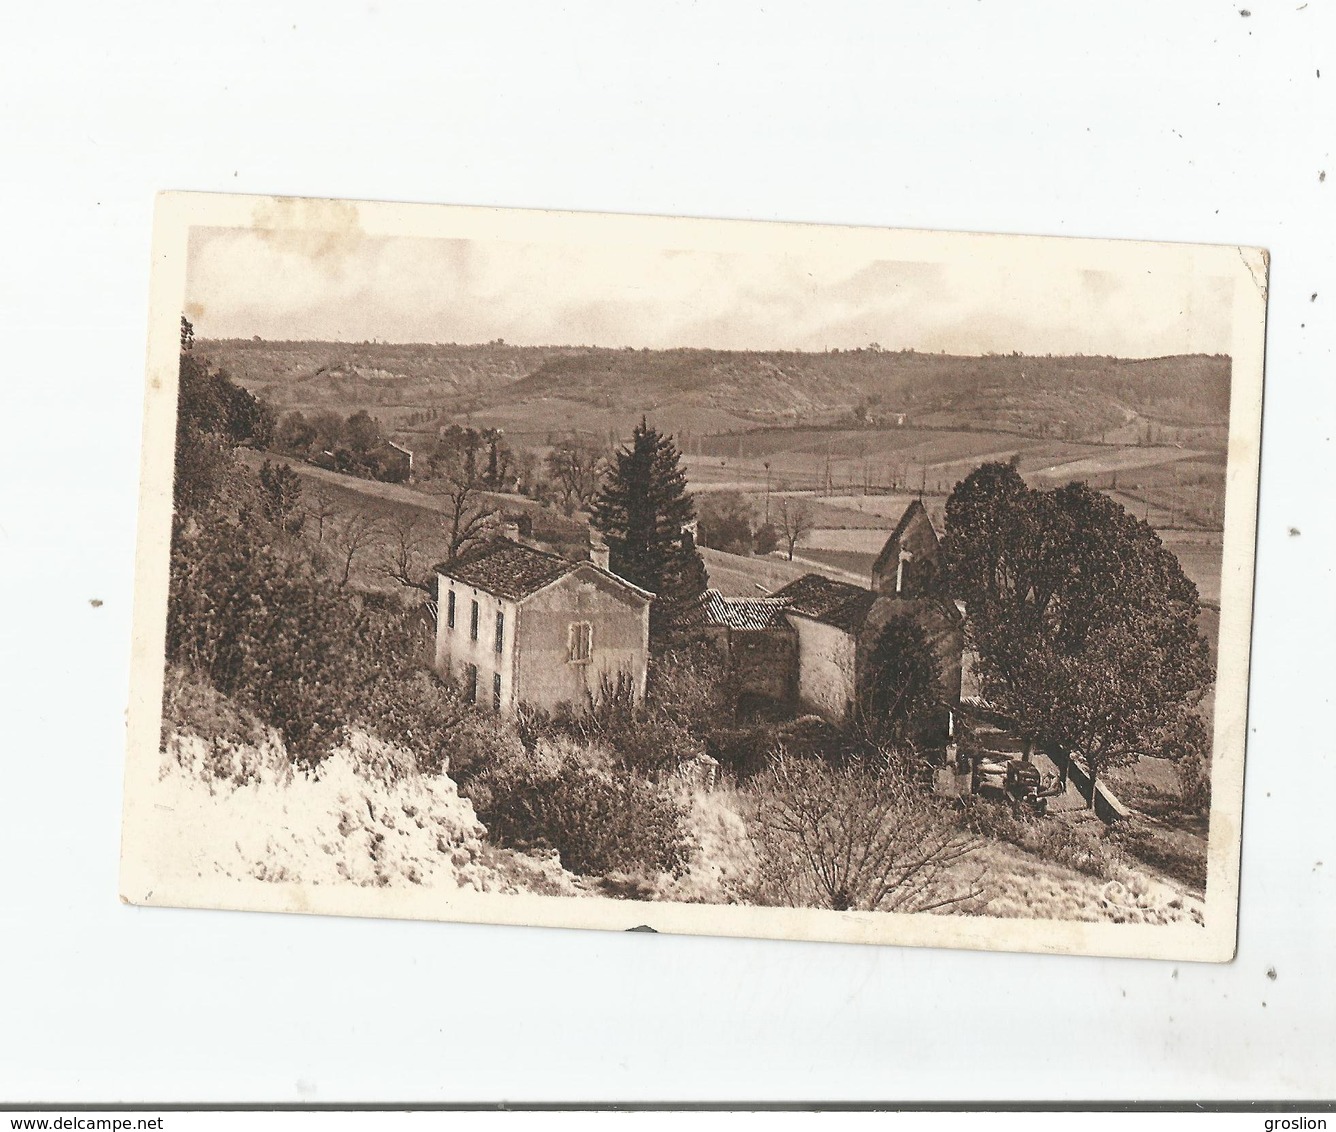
(646, 514)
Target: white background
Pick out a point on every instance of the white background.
(1189, 121)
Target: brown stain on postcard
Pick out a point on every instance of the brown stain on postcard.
(322, 231)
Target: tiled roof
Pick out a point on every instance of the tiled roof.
(507, 569)
(713, 609)
(840, 604)
(513, 570)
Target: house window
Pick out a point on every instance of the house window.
(500, 631)
(471, 683)
(496, 692)
(473, 622)
(581, 642)
(450, 610)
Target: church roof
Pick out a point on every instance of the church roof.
(915, 512)
(841, 604)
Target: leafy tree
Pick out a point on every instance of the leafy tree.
(726, 522)
(295, 434)
(1085, 624)
(766, 540)
(213, 415)
(361, 433)
(281, 497)
(500, 474)
(900, 685)
(329, 430)
(645, 513)
(455, 454)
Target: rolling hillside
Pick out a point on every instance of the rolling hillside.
(709, 391)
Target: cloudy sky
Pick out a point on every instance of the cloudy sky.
(240, 284)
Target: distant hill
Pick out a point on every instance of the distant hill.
(1015, 393)
(367, 374)
(519, 385)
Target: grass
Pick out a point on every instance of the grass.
(1020, 885)
(1161, 834)
(854, 561)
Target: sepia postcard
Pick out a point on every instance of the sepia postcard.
(712, 577)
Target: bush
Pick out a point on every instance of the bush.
(854, 836)
(417, 710)
(690, 685)
(192, 706)
(748, 751)
(1052, 838)
(1194, 783)
(262, 628)
(598, 819)
(651, 740)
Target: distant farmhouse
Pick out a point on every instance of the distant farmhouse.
(517, 625)
(398, 462)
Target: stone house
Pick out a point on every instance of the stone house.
(839, 623)
(517, 625)
(755, 636)
(808, 644)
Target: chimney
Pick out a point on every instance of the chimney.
(598, 549)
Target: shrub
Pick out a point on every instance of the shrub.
(417, 710)
(690, 685)
(854, 836)
(193, 706)
(263, 628)
(649, 740)
(1052, 838)
(1194, 783)
(748, 751)
(598, 819)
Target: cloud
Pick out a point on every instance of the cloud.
(242, 283)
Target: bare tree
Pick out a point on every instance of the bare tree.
(795, 521)
(406, 555)
(320, 508)
(857, 836)
(349, 536)
(576, 467)
(469, 517)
